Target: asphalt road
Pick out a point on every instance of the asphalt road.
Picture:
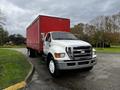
(104, 76)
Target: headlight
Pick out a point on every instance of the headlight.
(93, 51)
(59, 55)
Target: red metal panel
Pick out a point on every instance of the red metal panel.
(54, 24)
(32, 36)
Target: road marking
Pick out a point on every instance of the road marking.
(16, 86)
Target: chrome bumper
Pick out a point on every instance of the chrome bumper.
(73, 64)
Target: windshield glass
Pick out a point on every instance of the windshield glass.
(63, 36)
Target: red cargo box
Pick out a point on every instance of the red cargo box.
(44, 24)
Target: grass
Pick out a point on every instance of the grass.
(13, 67)
(113, 49)
(13, 46)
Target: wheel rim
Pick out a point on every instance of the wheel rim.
(51, 66)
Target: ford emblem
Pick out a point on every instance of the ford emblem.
(82, 51)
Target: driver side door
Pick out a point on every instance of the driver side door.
(47, 43)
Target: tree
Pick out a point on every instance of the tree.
(109, 29)
(3, 36)
(83, 31)
(3, 33)
(2, 19)
(77, 30)
(17, 39)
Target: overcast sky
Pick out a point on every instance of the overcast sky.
(20, 13)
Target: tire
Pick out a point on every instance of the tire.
(31, 53)
(54, 71)
(89, 68)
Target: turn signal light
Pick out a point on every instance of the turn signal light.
(59, 55)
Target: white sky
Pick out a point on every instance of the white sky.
(20, 13)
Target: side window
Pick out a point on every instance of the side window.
(48, 37)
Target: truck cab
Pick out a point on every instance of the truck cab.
(65, 52)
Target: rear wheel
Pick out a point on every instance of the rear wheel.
(31, 53)
(53, 68)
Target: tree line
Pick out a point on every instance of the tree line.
(100, 32)
(13, 39)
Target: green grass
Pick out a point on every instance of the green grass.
(113, 49)
(13, 46)
(13, 67)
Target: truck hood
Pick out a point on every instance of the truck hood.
(67, 43)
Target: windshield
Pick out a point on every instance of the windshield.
(63, 36)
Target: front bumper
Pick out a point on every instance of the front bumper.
(73, 64)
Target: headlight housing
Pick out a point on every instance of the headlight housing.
(93, 51)
(59, 55)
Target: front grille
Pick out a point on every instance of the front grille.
(82, 53)
(81, 63)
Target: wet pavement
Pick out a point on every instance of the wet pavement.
(104, 76)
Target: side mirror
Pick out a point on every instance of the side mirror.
(43, 39)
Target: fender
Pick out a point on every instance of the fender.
(58, 49)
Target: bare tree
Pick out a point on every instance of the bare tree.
(3, 33)
(108, 28)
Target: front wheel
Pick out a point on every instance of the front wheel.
(53, 68)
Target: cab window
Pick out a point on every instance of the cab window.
(48, 38)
